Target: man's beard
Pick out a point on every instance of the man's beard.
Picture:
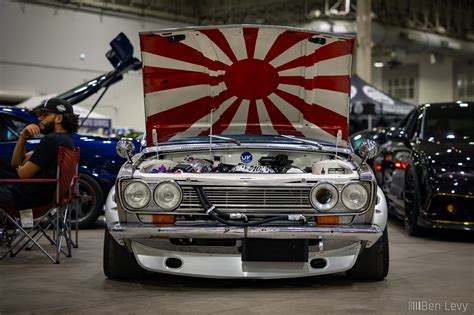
(48, 128)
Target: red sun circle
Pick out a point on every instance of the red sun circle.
(251, 79)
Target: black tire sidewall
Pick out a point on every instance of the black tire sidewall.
(98, 196)
(118, 263)
(411, 226)
(372, 263)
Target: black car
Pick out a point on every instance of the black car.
(426, 168)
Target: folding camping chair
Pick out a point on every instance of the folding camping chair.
(55, 216)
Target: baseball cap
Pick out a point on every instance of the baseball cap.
(55, 105)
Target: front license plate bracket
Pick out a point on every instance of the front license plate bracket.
(286, 250)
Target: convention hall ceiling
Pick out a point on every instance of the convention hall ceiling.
(453, 18)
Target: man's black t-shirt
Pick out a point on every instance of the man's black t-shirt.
(46, 157)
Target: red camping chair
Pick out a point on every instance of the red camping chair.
(55, 215)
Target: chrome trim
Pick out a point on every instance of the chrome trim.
(174, 184)
(355, 232)
(249, 199)
(304, 205)
(312, 201)
(128, 184)
(365, 205)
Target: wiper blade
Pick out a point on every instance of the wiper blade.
(237, 142)
(303, 141)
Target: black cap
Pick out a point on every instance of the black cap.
(55, 105)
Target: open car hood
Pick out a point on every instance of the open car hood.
(249, 79)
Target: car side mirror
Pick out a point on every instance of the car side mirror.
(125, 148)
(368, 150)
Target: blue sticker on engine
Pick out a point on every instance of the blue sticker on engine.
(246, 157)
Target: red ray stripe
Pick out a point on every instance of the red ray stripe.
(284, 41)
(159, 79)
(329, 51)
(219, 39)
(338, 83)
(224, 120)
(324, 118)
(253, 121)
(279, 121)
(177, 119)
(250, 37)
(159, 45)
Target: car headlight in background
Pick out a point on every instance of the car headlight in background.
(137, 195)
(168, 196)
(354, 196)
(324, 196)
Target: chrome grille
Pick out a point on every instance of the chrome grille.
(249, 199)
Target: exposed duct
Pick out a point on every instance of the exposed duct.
(396, 37)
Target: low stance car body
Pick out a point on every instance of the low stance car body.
(247, 171)
(426, 168)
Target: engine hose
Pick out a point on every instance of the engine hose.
(217, 215)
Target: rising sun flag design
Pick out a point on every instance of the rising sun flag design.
(246, 80)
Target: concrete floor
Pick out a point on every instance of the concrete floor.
(436, 269)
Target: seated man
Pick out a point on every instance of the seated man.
(57, 122)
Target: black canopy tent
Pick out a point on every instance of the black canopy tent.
(369, 104)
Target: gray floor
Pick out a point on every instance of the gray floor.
(436, 271)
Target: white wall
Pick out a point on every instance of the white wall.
(40, 48)
(434, 81)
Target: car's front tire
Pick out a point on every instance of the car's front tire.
(372, 263)
(118, 263)
(412, 205)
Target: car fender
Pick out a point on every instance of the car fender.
(111, 212)
(380, 213)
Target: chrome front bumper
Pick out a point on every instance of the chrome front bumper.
(369, 233)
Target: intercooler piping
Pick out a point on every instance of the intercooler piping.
(226, 218)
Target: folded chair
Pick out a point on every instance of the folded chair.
(55, 216)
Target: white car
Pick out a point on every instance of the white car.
(247, 171)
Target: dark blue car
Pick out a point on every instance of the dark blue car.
(99, 163)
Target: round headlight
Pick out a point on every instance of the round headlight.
(168, 196)
(137, 195)
(324, 196)
(354, 196)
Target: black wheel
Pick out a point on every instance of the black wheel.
(118, 263)
(91, 203)
(412, 205)
(372, 264)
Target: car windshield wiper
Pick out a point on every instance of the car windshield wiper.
(303, 141)
(237, 142)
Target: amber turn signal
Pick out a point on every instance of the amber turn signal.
(163, 218)
(327, 220)
(450, 208)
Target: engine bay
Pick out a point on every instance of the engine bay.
(253, 162)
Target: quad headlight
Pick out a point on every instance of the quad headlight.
(136, 195)
(168, 196)
(324, 196)
(354, 196)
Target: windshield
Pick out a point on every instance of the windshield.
(449, 121)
